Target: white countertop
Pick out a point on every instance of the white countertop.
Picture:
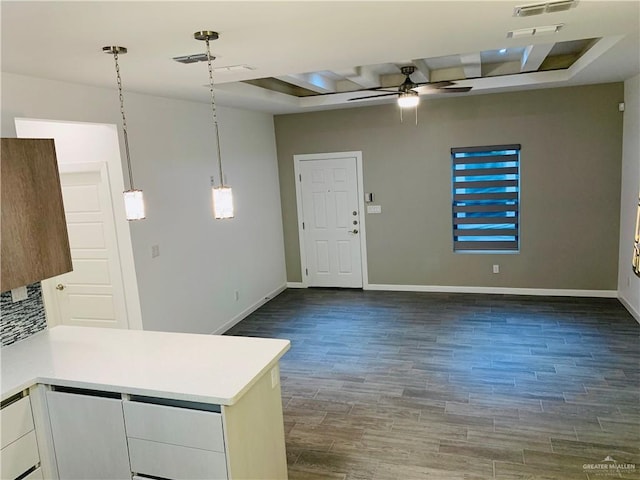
(200, 368)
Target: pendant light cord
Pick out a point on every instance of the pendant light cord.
(213, 108)
(124, 119)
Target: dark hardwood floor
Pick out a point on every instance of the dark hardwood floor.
(395, 385)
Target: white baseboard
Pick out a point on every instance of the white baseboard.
(444, 289)
(248, 311)
(495, 290)
(634, 313)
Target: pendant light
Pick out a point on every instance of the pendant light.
(222, 195)
(133, 200)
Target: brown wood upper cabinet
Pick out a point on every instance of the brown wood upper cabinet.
(35, 243)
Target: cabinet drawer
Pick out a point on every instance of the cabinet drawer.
(175, 462)
(16, 420)
(178, 426)
(19, 456)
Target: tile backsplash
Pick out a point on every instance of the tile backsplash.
(19, 320)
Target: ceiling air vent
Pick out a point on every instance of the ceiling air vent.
(536, 31)
(540, 8)
(196, 57)
(202, 57)
(560, 6)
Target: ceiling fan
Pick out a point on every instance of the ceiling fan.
(408, 92)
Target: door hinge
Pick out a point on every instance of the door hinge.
(300, 176)
(303, 225)
(306, 270)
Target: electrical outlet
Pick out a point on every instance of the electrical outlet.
(496, 269)
(236, 295)
(19, 294)
(155, 251)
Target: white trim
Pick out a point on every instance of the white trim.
(249, 310)
(296, 285)
(549, 292)
(634, 313)
(360, 187)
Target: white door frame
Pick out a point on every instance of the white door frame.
(107, 152)
(297, 159)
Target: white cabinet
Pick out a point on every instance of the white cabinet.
(175, 442)
(19, 453)
(176, 462)
(107, 438)
(88, 436)
(179, 426)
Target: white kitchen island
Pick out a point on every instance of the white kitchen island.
(168, 405)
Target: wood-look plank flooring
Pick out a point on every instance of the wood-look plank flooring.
(398, 385)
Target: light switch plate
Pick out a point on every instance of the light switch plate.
(19, 294)
(374, 209)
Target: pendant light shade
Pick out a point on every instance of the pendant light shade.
(133, 199)
(222, 195)
(222, 202)
(134, 205)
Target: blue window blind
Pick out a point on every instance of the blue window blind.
(486, 194)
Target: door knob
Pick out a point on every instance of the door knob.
(60, 287)
(354, 231)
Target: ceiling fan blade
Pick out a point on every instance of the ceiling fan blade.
(454, 90)
(444, 83)
(376, 89)
(432, 91)
(374, 96)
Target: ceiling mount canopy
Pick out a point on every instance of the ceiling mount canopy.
(114, 49)
(206, 35)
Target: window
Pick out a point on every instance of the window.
(486, 191)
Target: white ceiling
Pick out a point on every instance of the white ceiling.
(63, 41)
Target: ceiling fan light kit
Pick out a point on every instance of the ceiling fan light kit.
(408, 99)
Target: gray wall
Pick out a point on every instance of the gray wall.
(570, 189)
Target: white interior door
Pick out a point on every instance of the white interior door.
(331, 222)
(93, 293)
